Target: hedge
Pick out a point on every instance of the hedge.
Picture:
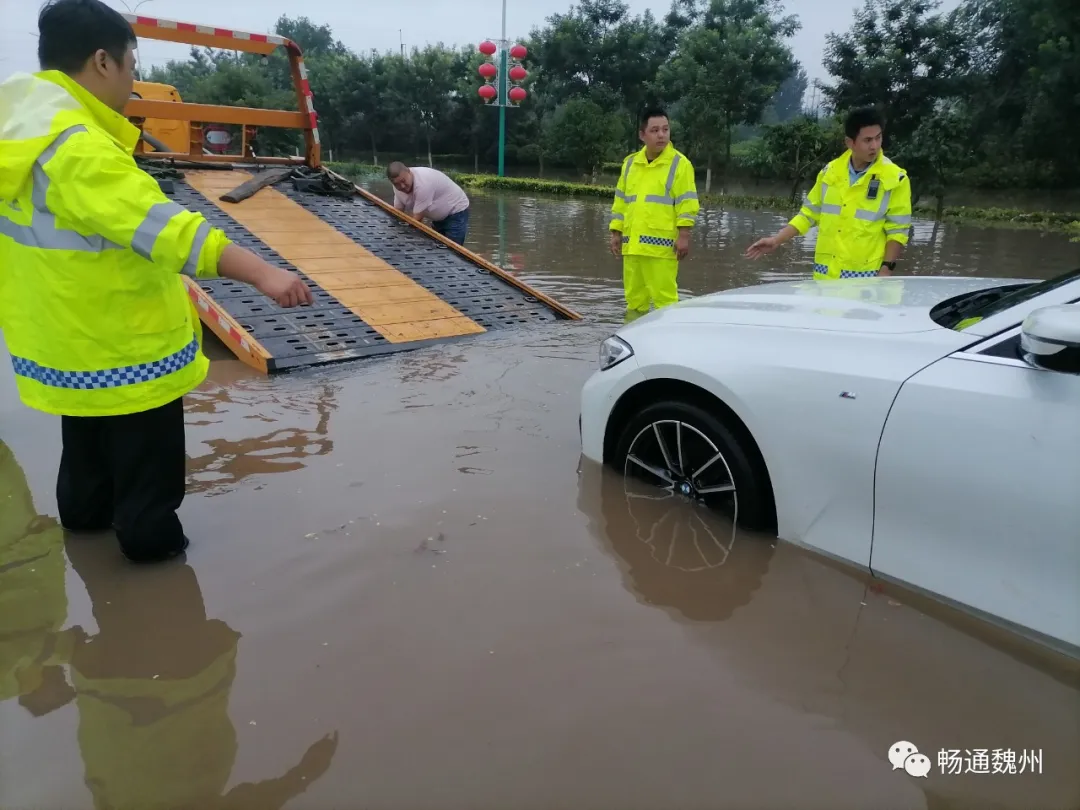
(1043, 220)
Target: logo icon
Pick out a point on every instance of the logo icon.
(905, 755)
(917, 765)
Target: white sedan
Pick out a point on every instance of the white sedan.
(924, 429)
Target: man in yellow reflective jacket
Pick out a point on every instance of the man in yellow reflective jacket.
(861, 203)
(93, 306)
(656, 205)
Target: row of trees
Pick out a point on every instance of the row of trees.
(987, 94)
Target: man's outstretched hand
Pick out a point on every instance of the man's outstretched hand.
(761, 247)
(286, 288)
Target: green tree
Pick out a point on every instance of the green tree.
(985, 95)
(531, 120)
(583, 134)
(314, 40)
(422, 86)
(788, 101)
(597, 49)
(939, 151)
(899, 56)
(727, 66)
(797, 149)
(1025, 85)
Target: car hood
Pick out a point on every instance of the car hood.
(884, 305)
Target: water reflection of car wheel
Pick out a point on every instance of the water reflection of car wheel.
(684, 449)
(673, 554)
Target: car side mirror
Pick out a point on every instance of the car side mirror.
(1050, 338)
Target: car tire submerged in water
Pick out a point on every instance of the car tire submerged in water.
(691, 452)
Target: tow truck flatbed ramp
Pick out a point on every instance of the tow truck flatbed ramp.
(381, 282)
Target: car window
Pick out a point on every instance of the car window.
(968, 309)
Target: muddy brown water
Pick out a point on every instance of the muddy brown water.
(405, 590)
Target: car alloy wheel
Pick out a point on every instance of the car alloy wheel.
(689, 450)
(681, 459)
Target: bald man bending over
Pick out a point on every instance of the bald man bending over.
(424, 193)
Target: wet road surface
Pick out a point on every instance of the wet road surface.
(405, 590)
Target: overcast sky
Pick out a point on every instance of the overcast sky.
(363, 24)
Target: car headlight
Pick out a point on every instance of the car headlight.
(613, 351)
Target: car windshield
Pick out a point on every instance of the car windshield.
(967, 309)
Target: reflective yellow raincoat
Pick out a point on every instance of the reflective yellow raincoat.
(92, 304)
(652, 201)
(153, 690)
(33, 599)
(882, 291)
(855, 221)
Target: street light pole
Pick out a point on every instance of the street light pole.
(504, 84)
(505, 92)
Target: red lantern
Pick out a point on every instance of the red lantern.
(488, 70)
(487, 47)
(518, 73)
(517, 94)
(488, 92)
(518, 52)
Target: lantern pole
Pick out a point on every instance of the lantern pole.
(501, 94)
(503, 90)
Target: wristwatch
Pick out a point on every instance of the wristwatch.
(890, 265)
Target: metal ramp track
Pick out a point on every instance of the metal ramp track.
(471, 289)
(273, 339)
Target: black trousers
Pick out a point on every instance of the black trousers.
(127, 473)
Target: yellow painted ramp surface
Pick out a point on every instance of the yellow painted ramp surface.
(390, 302)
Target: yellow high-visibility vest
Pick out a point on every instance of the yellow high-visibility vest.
(92, 304)
(855, 221)
(652, 201)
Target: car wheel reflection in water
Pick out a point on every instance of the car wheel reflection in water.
(151, 686)
(674, 553)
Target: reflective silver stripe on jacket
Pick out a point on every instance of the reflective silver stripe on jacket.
(827, 208)
(142, 242)
(43, 232)
(666, 198)
(629, 198)
(874, 216)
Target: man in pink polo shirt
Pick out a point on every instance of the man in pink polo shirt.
(424, 193)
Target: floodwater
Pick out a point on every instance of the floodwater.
(405, 590)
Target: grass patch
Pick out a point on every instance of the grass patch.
(356, 170)
(1068, 222)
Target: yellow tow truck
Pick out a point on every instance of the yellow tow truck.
(381, 281)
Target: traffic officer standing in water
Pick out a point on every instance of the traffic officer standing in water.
(656, 205)
(861, 203)
(93, 306)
